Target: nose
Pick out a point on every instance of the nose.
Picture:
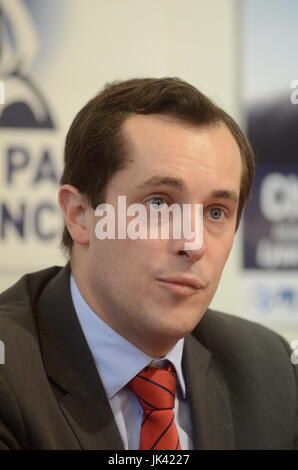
(194, 254)
(192, 249)
(192, 244)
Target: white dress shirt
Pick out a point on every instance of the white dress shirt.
(117, 361)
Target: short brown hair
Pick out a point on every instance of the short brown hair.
(95, 149)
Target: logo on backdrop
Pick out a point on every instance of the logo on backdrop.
(25, 105)
(29, 30)
(271, 219)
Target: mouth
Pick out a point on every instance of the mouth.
(182, 286)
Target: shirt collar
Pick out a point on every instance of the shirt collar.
(106, 344)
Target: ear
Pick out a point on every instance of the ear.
(75, 208)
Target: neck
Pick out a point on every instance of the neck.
(142, 340)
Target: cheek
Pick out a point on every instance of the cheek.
(147, 250)
(220, 254)
(129, 256)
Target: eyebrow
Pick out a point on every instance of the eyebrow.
(163, 181)
(225, 194)
(178, 183)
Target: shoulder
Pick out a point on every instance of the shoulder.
(18, 302)
(19, 333)
(234, 325)
(219, 330)
(26, 288)
(246, 347)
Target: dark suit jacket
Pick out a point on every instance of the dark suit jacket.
(240, 382)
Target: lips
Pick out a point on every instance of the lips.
(190, 282)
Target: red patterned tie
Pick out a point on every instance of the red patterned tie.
(155, 389)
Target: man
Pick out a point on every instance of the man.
(118, 350)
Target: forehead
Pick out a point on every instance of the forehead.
(162, 145)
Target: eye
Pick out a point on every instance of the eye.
(217, 213)
(158, 203)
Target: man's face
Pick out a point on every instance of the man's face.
(129, 281)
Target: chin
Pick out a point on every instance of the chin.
(175, 329)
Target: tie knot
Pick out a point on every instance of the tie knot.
(155, 388)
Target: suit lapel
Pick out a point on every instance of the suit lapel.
(209, 398)
(69, 364)
(89, 414)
